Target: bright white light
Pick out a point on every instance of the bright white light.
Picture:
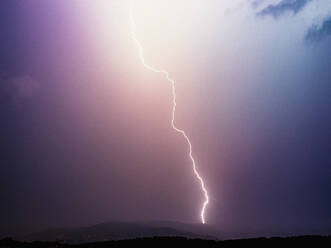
(174, 104)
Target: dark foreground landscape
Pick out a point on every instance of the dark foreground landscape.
(302, 241)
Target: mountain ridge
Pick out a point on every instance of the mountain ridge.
(116, 230)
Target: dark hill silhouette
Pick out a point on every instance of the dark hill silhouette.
(123, 230)
(303, 241)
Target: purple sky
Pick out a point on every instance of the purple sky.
(85, 128)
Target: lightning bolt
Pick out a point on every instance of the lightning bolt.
(174, 104)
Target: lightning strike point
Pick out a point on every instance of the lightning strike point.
(174, 104)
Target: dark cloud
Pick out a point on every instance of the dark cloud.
(317, 33)
(256, 3)
(284, 6)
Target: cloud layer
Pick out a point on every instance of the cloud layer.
(317, 33)
(315, 15)
(282, 7)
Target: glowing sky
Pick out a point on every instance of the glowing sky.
(85, 129)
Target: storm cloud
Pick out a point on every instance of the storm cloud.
(317, 33)
(282, 7)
